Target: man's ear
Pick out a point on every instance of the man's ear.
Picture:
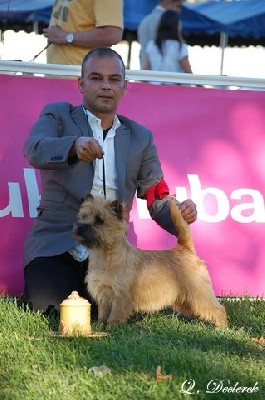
(80, 84)
(125, 87)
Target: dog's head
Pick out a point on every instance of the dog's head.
(100, 222)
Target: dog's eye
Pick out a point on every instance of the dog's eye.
(99, 220)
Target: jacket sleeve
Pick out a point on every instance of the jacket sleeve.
(160, 213)
(49, 142)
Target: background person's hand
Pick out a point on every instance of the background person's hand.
(55, 34)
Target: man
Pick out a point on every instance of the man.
(147, 28)
(67, 145)
(77, 26)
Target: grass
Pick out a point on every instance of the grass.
(37, 364)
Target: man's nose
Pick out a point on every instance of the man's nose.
(106, 84)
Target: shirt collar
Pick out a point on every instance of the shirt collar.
(92, 118)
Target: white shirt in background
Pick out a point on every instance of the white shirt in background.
(169, 60)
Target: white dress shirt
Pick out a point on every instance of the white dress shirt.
(109, 158)
(79, 252)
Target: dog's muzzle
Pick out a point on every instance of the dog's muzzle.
(82, 229)
(85, 234)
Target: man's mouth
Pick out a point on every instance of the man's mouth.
(105, 97)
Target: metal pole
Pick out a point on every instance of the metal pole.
(223, 44)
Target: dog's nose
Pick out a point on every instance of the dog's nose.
(81, 229)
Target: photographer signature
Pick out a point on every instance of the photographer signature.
(218, 386)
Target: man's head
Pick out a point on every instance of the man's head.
(102, 81)
(102, 52)
(172, 4)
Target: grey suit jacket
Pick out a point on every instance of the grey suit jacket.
(64, 182)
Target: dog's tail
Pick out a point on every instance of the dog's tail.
(184, 234)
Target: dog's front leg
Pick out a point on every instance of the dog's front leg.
(103, 313)
(121, 310)
(104, 305)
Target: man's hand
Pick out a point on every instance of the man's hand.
(188, 211)
(86, 149)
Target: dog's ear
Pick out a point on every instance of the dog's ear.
(87, 196)
(117, 207)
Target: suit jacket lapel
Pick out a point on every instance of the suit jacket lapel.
(80, 118)
(121, 144)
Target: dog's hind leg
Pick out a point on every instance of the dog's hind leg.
(205, 306)
(196, 297)
(183, 309)
(213, 312)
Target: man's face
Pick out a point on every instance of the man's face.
(102, 84)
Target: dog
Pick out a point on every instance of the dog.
(123, 279)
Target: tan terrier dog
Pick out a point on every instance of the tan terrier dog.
(123, 279)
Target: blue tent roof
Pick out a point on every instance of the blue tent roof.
(133, 14)
(25, 11)
(237, 18)
(244, 18)
(192, 20)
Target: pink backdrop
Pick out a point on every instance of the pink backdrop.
(212, 148)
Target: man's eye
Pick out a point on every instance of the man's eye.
(99, 220)
(95, 78)
(115, 80)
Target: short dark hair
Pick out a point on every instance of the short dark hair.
(102, 52)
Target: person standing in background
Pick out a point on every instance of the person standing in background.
(77, 26)
(168, 52)
(148, 26)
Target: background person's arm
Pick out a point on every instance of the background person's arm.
(102, 36)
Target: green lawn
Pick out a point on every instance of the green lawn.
(37, 364)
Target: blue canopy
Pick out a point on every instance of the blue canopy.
(134, 12)
(241, 18)
(191, 19)
(25, 11)
(236, 18)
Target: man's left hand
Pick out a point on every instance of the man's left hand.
(188, 211)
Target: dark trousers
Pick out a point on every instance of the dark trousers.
(50, 280)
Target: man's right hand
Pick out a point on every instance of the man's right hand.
(87, 149)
